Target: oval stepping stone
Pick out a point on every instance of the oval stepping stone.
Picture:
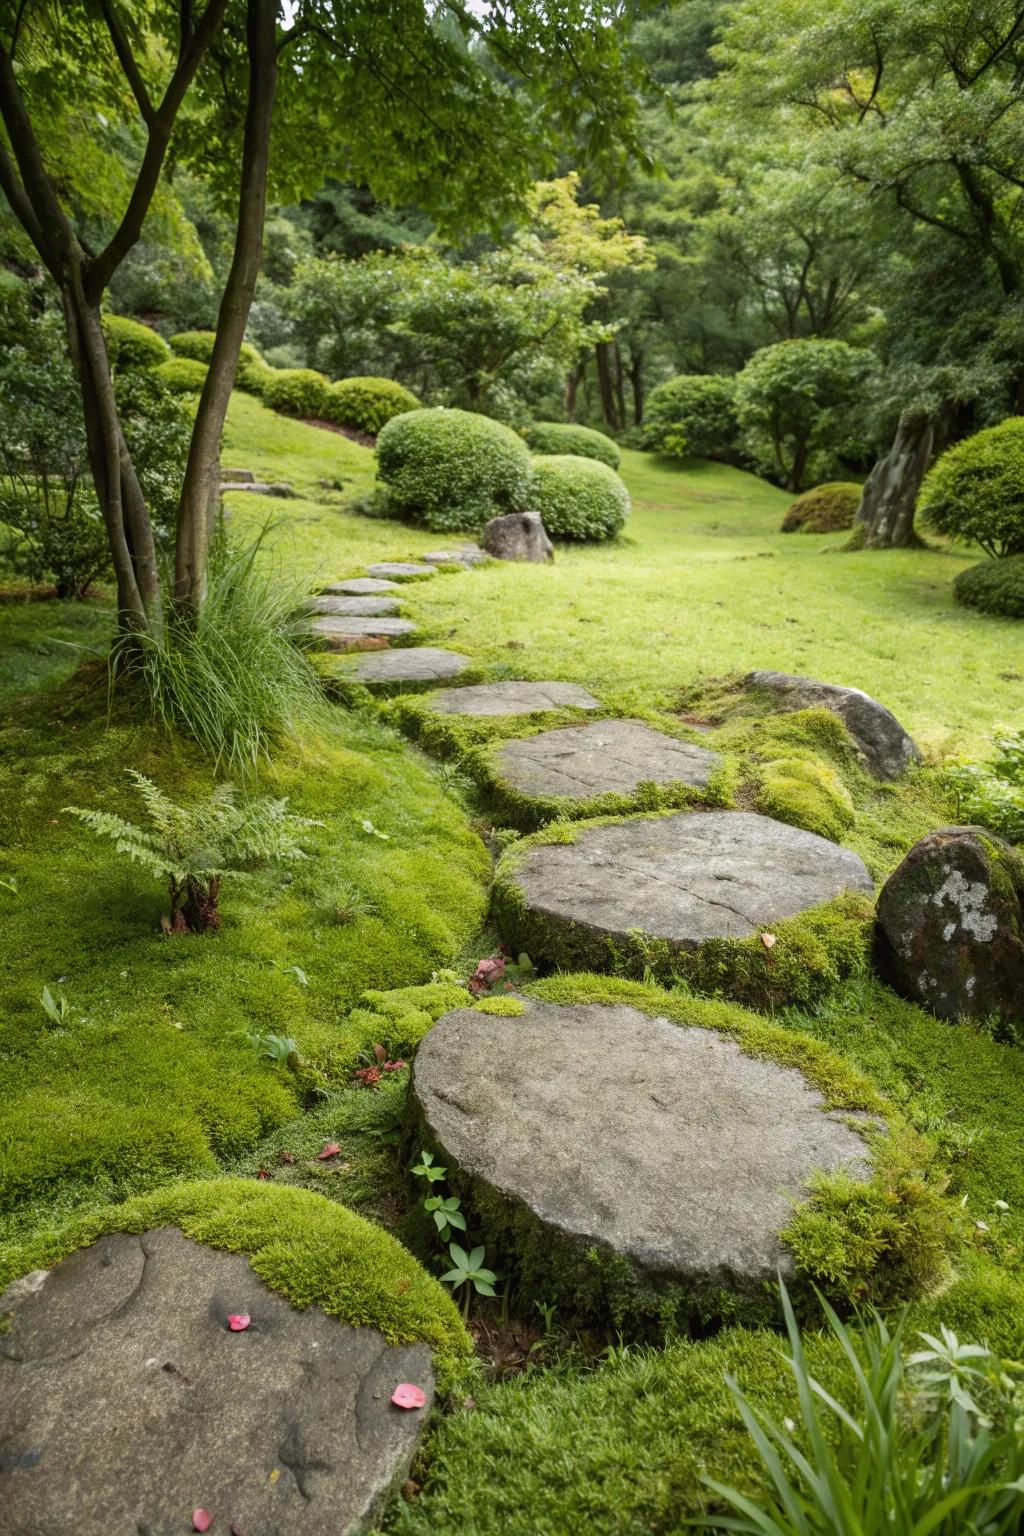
(604, 757)
(360, 586)
(338, 632)
(400, 570)
(686, 877)
(367, 607)
(413, 664)
(126, 1401)
(513, 699)
(602, 1126)
(469, 554)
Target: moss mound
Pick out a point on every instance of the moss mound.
(807, 793)
(993, 586)
(562, 437)
(826, 509)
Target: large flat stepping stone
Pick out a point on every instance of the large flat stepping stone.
(888, 750)
(602, 1126)
(360, 586)
(126, 1402)
(412, 664)
(685, 877)
(337, 632)
(513, 699)
(365, 607)
(581, 762)
(466, 554)
(400, 570)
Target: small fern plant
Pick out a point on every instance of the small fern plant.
(192, 847)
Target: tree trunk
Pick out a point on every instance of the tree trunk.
(572, 385)
(636, 379)
(885, 518)
(200, 492)
(606, 384)
(620, 387)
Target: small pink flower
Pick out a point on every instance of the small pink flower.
(201, 1519)
(238, 1322)
(406, 1395)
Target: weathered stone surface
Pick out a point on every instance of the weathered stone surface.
(950, 926)
(513, 699)
(603, 757)
(365, 607)
(667, 1144)
(888, 750)
(686, 877)
(360, 586)
(465, 554)
(338, 633)
(238, 476)
(517, 536)
(260, 488)
(400, 570)
(413, 664)
(125, 1401)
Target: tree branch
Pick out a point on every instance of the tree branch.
(127, 60)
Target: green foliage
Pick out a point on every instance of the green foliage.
(975, 492)
(452, 470)
(295, 392)
(367, 404)
(251, 372)
(953, 1462)
(993, 586)
(992, 794)
(807, 793)
(158, 430)
(798, 404)
(693, 416)
(195, 344)
(826, 509)
(579, 498)
(566, 437)
(133, 345)
(182, 375)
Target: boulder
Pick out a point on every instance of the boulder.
(582, 762)
(887, 749)
(126, 1402)
(950, 926)
(517, 536)
(512, 699)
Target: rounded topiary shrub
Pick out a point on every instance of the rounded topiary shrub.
(563, 437)
(195, 344)
(994, 586)
(452, 470)
(252, 371)
(693, 416)
(296, 392)
(579, 498)
(367, 404)
(827, 509)
(130, 344)
(975, 492)
(182, 375)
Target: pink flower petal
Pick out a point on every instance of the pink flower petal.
(238, 1322)
(201, 1519)
(330, 1150)
(406, 1395)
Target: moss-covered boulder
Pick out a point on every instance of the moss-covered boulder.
(806, 792)
(826, 509)
(950, 926)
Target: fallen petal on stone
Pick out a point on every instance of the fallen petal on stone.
(201, 1519)
(238, 1322)
(406, 1395)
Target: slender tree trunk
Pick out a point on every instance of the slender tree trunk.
(602, 354)
(200, 492)
(885, 518)
(636, 380)
(620, 386)
(572, 385)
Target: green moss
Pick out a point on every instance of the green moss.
(806, 792)
(826, 509)
(312, 1251)
(505, 1007)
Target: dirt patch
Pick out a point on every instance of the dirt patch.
(363, 438)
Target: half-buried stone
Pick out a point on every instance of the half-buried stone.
(619, 1163)
(340, 633)
(126, 1402)
(603, 757)
(366, 607)
(512, 699)
(361, 586)
(657, 889)
(412, 666)
(400, 570)
(886, 748)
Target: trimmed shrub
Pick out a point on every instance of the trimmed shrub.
(250, 375)
(130, 344)
(827, 509)
(367, 404)
(195, 344)
(295, 392)
(452, 470)
(994, 586)
(579, 498)
(693, 415)
(561, 437)
(975, 493)
(182, 375)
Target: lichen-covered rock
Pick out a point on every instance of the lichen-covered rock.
(950, 926)
(888, 750)
(517, 536)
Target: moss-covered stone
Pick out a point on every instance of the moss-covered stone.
(825, 509)
(807, 793)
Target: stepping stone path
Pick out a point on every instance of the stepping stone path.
(126, 1402)
(400, 570)
(602, 1126)
(369, 607)
(513, 699)
(888, 750)
(685, 877)
(468, 554)
(580, 762)
(339, 633)
(413, 664)
(360, 586)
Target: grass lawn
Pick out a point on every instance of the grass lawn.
(150, 1079)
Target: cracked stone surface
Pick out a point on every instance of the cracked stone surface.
(400, 570)
(949, 932)
(664, 1142)
(337, 632)
(513, 699)
(606, 756)
(125, 1401)
(688, 876)
(412, 664)
(888, 750)
(360, 586)
(365, 607)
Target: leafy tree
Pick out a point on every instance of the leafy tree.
(796, 398)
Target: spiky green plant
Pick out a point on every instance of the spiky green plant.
(192, 847)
